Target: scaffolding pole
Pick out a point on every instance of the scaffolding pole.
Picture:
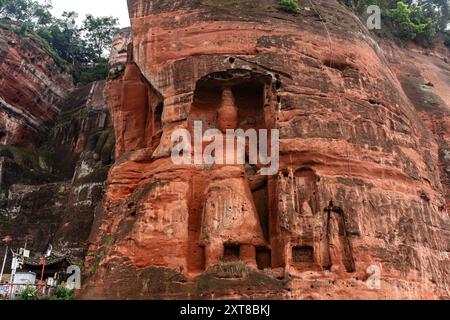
(4, 262)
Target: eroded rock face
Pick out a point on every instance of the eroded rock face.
(360, 187)
(49, 195)
(119, 48)
(31, 87)
(424, 77)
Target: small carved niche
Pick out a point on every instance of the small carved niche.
(303, 254)
(248, 90)
(231, 252)
(157, 122)
(306, 184)
(261, 200)
(263, 258)
(337, 240)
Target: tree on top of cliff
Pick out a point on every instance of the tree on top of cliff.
(65, 37)
(418, 20)
(411, 22)
(84, 47)
(26, 11)
(99, 33)
(80, 45)
(438, 11)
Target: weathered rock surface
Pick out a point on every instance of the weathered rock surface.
(425, 78)
(50, 195)
(31, 87)
(351, 133)
(363, 184)
(119, 48)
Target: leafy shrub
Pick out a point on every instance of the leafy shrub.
(411, 22)
(62, 293)
(289, 5)
(64, 40)
(28, 293)
(407, 20)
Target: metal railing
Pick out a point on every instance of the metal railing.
(9, 291)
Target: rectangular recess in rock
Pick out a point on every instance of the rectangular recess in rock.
(263, 258)
(231, 252)
(303, 254)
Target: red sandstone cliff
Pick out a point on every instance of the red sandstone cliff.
(31, 87)
(357, 128)
(364, 124)
(56, 145)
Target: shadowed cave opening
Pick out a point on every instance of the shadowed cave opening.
(157, 123)
(231, 252)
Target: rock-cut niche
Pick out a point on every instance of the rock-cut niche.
(233, 99)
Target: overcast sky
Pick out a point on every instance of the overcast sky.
(116, 8)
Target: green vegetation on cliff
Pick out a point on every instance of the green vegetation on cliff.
(82, 47)
(417, 20)
(411, 22)
(289, 5)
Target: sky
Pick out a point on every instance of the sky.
(116, 8)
